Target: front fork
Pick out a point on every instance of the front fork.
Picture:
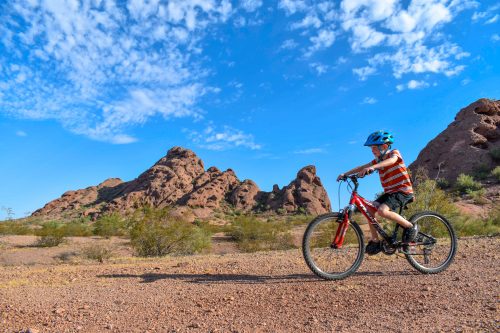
(338, 240)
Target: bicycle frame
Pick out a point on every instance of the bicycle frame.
(368, 210)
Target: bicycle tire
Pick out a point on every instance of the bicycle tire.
(432, 226)
(317, 242)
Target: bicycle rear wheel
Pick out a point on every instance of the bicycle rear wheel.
(436, 243)
(326, 262)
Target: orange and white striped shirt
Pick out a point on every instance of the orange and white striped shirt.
(395, 178)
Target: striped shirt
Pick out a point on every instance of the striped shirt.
(395, 178)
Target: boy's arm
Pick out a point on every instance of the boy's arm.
(369, 168)
(355, 170)
(385, 163)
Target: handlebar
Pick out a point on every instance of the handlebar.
(355, 176)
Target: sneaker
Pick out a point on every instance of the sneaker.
(410, 234)
(373, 247)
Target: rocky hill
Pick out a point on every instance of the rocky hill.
(469, 145)
(179, 179)
(466, 144)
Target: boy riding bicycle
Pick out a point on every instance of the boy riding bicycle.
(395, 181)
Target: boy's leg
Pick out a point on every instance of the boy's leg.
(373, 246)
(373, 231)
(410, 231)
(385, 212)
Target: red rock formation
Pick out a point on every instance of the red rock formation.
(179, 179)
(465, 144)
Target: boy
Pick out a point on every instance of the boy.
(395, 181)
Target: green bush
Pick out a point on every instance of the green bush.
(110, 225)
(495, 154)
(76, 229)
(468, 226)
(428, 196)
(97, 251)
(443, 183)
(253, 235)
(300, 219)
(155, 233)
(51, 234)
(481, 171)
(478, 196)
(496, 173)
(14, 228)
(466, 183)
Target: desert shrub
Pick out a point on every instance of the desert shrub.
(481, 171)
(469, 226)
(155, 233)
(14, 228)
(466, 183)
(51, 234)
(253, 235)
(428, 196)
(496, 173)
(97, 251)
(76, 229)
(300, 219)
(443, 183)
(478, 196)
(209, 227)
(110, 225)
(495, 154)
(281, 211)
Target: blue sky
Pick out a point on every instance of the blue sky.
(97, 89)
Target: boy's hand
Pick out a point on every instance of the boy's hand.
(366, 171)
(341, 177)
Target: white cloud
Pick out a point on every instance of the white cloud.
(324, 39)
(213, 139)
(492, 20)
(364, 72)
(292, 6)
(405, 35)
(369, 100)
(99, 68)
(420, 59)
(455, 70)
(495, 37)
(251, 5)
(489, 16)
(365, 37)
(412, 84)
(319, 68)
(21, 133)
(310, 151)
(308, 21)
(289, 44)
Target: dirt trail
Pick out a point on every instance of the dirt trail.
(263, 292)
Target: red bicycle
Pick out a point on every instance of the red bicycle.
(333, 245)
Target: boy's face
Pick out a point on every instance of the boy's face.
(376, 150)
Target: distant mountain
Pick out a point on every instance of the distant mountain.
(179, 179)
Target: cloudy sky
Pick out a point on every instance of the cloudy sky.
(96, 89)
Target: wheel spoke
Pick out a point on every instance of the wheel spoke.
(327, 262)
(436, 243)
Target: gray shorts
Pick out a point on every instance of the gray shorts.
(394, 200)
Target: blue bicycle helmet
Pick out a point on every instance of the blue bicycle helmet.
(379, 138)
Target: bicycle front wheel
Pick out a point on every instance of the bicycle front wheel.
(435, 245)
(322, 259)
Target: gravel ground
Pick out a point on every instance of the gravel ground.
(260, 292)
